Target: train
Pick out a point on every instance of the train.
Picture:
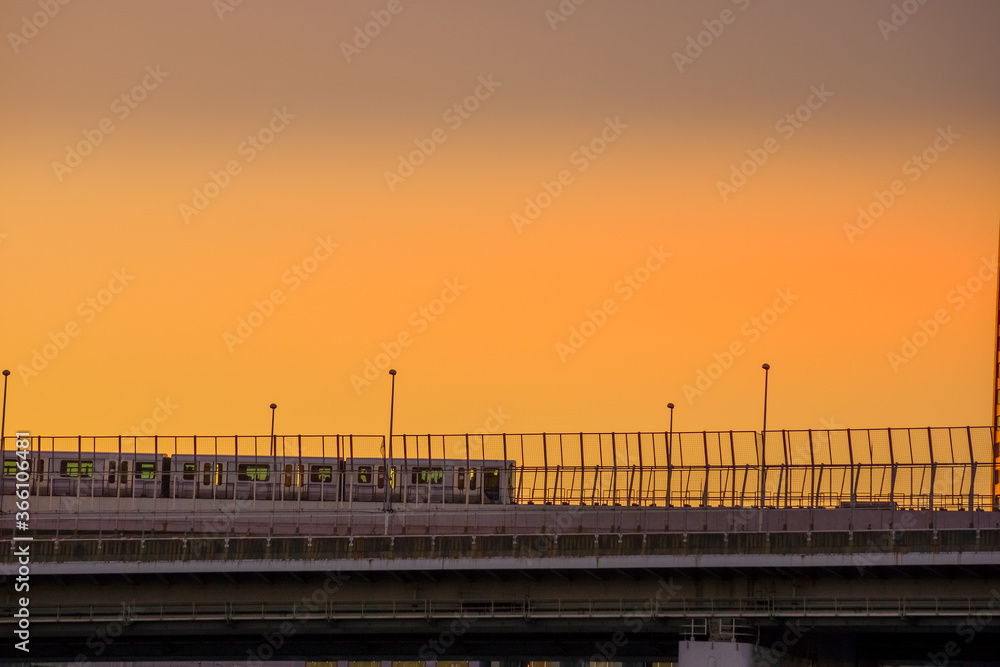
(219, 477)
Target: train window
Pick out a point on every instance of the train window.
(74, 468)
(365, 475)
(207, 478)
(123, 473)
(112, 477)
(472, 479)
(460, 478)
(9, 467)
(321, 474)
(492, 481)
(288, 474)
(427, 476)
(41, 469)
(381, 477)
(189, 470)
(145, 469)
(253, 472)
(219, 474)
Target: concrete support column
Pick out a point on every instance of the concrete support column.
(715, 654)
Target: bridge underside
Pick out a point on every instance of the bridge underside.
(865, 616)
(872, 588)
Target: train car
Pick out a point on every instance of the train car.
(451, 481)
(300, 479)
(324, 479)
(194, 477)
(365, 480)
(100, 474)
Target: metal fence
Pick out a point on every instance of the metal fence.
(936, 468)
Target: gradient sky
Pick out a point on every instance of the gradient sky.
(334, 112)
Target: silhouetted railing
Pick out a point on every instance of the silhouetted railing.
(932, 468)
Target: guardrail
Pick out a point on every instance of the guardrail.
(912, 468)
(763, 608)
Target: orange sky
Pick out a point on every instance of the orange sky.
(180, 165)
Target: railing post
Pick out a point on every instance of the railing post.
(812, 471)
(930, 500)
(545, 468)
(670, 467)
(708, 470)
(850, 452)
(892, 477)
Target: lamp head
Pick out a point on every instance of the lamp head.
(392, 371)
(766, 367)
(274, 405)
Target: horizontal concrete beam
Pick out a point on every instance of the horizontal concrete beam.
(691, 561)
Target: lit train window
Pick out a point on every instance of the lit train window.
(472, 479)
(218, 474)
(189, 470)
(112, 466)
(74, 468)
(321, 474)
(9, 467)
(427, 476)
(364, 474)
(253, 472)
(145, 470)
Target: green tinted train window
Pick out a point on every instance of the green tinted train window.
(145, 470)
(189, 471)
(321, 474)
(9, 467)
(74, 468)
(253, 472)
(427, 476)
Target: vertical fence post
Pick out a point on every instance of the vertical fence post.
(850, 453)
(972, 466)
(545, 469)
(732, 457)
(640, 496)
(812, 471)
(614, 468)
(895, 468)
(786, 447)
(670, 467)
(708, 470)
(930, 449)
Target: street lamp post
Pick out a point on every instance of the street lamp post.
(763, 442)
(3, 422)
(274, 452)
(670, 440)
(388, 464)
(670, 449)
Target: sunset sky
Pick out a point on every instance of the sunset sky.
(547, 216)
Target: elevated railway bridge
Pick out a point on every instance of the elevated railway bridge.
(835, 547)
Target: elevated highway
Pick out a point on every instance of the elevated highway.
(842, 585)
